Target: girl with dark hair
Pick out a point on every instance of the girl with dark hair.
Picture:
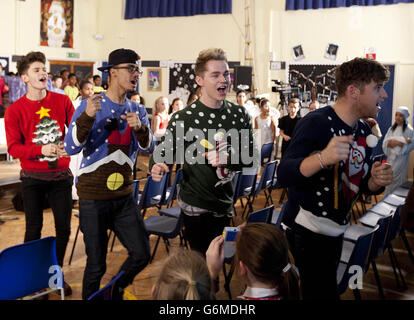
(264, 261)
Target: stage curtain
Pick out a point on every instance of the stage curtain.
(323, 4)
(173, 8)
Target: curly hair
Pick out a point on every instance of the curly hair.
(24, 62)
(359, 72)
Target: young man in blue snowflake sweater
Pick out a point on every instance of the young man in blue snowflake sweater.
(213, 138)
(326, 166)
(109, 129)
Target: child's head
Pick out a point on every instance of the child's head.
(97, 80)
(176, 105)
(241, 97)
(86, 89)
(161, 105)
(263, 254)
(314, 105)
(72, 79)
(183, 276)
(264, 107)
(293, 107)
(57, 82)
(134, 96)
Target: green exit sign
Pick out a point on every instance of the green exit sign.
(73, 55)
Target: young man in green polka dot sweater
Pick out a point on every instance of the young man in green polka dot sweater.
(213, 138)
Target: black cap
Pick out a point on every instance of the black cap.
(119, 56)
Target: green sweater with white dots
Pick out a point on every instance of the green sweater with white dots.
(193, 131)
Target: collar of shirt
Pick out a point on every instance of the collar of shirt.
(257, 293)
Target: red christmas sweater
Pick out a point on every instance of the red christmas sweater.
(32, 124)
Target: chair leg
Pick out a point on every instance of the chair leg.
(357, 294)
(74, 244)
(282, 196)
(394, 268)
(167, 245)
(378, 280)
(404, 284)
(227, 279)
(407, 245)
(113, 242)
(155, 249)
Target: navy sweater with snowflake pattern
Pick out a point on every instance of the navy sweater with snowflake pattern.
(190, 133)
(322, 203)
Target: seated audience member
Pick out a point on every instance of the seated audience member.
(265, 123)
(57, 85)
(397, 145)
(97, 82)
(287, 123)
(134, 96)
(65, 77)
(175, 106)
(17, 87)
(4, 88)
(71, 89)
(160, 118)
(184, 275)
(264, 262)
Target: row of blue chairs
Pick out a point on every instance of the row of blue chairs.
(370, 238)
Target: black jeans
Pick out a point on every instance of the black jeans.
(317, 258)
(60, 199)
(122, 216)
(200, 230)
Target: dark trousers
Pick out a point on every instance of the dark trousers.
(200, 230)
(317, 258)
(120, 215)
(59, 194)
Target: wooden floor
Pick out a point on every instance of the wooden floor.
(12, 233)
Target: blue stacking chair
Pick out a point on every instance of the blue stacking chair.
(245, 189)
(277, 216)
(107, 292)
(370, 220)
(266, 153)
(354, 253)
(171, 192)
(28, 268)
(164, 227)
(153, 194)
(265, 183)
(263, 215)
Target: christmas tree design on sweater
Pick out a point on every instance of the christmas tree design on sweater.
(47, 131)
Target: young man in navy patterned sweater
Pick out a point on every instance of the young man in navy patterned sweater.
(326, 167)
(213, 138)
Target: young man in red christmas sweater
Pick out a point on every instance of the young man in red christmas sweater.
(35, 129)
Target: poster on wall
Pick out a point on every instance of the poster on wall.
(154, 79)
(56, 23)
(181, 80)
(4, 61)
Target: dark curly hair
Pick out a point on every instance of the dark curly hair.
(359, 72)
(24, 62)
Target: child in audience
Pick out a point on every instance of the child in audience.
(134, 96)
(71, 89)
(265, 123)
(175, 106)
(397, 145)
(264, 261)
(160, 119)
(86, 91)
(97, 82)
(183, 276)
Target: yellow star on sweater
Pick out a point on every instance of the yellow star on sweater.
(43, 112)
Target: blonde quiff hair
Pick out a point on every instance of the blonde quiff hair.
(207, 55)
(184, 276)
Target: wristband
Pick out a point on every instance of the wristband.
(323, 166)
